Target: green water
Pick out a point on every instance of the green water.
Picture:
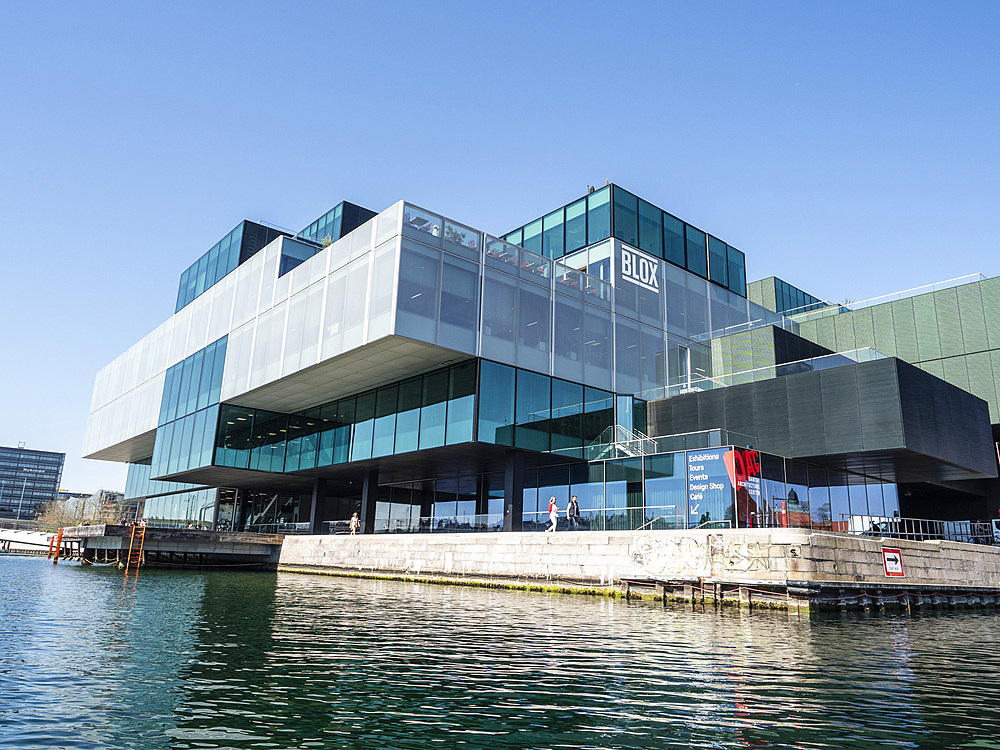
(89, 659)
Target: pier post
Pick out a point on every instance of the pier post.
(316, 509)
(745, 598)
(369, 497)
(513, 491)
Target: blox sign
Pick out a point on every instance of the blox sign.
(640, 269)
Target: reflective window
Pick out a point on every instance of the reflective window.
(364, 426)
(533, 237)
(650, 229)
(567, 417)
(576, 225)
(718, 263)
(461, 402)
(552, 235)
(496, 403)
(384, 431)
(532, 411)
(434, 409)
(408, 418)
(697, 259)
(599, 215)
(673, 240)
(626, 220)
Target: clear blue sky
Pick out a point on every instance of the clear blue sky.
(850, 148)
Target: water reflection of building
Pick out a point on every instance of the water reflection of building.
(435, 378)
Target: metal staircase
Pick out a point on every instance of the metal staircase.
(619, 441)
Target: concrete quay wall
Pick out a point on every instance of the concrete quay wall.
(740, 556)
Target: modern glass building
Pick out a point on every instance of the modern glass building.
(28, 480)
(431, 376)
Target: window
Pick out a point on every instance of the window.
(576, 225)
(532, 411)
(599, 215)
(552, 235)
(673, 240)
(718, 264)
(697, 261)
(626, 221)
(496, 403)
(650, 229)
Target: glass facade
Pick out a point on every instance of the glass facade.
(707, 488)
(189, 411)
(614, 212)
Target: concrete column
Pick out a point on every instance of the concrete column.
(513, 491)
(318, 507)
(369, 496)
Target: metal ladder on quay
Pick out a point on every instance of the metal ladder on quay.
(135, 546)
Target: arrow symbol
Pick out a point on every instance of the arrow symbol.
(695, 509)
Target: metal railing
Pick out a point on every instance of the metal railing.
(836, 308)
(920, 529)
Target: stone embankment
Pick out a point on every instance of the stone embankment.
(784, 568)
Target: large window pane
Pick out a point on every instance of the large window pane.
(533, 328)
(408, 418)
(626, 222)
(459, 295)
(718, 264)
(599, 215)
(434, 409)
(496, 404)
(532, 411)
(419, 272)
(567, 416)
(737, 271)
(364, 424)
(384, 431)
(552, 235)
(673, 240)
(461, 402)
(576, 225)
(650, 229)
(499, 306)
(533, 237)
(697, 259)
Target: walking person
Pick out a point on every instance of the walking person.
(573, 513)
(553, 514)
(355, 523)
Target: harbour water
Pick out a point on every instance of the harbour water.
(185, 659)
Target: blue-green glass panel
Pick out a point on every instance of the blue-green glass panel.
(193, 375)
(532, 410)
(567, 415)
(461, 403)
(718, 264)
(673, 240)
(408, 417)
(434, 409)
(697, 251)
(197, 439)
(576, 225)
(626, 221)
(515, 238)
(650, 229)
(384, 431)
(215, 385)
(552, 235)
(599, 413)
(165, 396)
(533, 237)
(496, 404)
(364, 427)
(737, 271)
(599, 215)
